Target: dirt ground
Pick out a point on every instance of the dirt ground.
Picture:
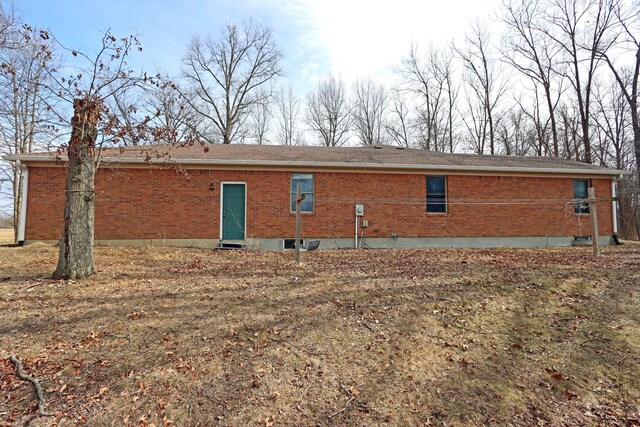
(190, 337)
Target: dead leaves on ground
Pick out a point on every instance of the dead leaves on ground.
(166, 336)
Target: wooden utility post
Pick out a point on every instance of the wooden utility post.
(591, 192)
(299, 199)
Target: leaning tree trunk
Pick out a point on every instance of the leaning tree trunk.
(76, 245)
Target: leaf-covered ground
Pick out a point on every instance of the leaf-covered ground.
(380, 337)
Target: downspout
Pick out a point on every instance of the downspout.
(614, 208)
(22, 224)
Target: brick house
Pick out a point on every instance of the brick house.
(191, 196)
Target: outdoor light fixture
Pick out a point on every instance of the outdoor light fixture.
(212, 187)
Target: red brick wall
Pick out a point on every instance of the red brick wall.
(160, 203)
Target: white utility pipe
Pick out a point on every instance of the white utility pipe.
(23, 208)
(614, 206)
(356, 238)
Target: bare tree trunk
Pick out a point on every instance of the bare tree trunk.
(529, 50)
(287, 112)
(584, 31)
(635, 112)
(567, 146)
(397, 125)
(329, 113)
(552, 117)
(635, 121)
(227, 75)
(451, 98)
(631, 93)
(76, 245)
(583, 108)
(484, 78)
(368, 111)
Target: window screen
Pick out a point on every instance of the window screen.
(306, 187)
(436, 194)
(580, 191)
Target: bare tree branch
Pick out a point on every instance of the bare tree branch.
(369, 106)
(581, 30)
(287, 112)
(485, 84)
(328, 112)
(531, 53)
(225, 75)
(398, 124)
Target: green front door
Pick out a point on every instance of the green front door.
(233, 211)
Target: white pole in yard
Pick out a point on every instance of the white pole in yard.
(298, 222)
(591, 192)
(355, 245)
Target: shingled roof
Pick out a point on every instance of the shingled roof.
(369, 157)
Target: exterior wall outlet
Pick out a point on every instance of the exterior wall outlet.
(365, 223)
(359, 210)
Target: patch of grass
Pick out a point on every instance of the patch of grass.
(370, 337)
(6, 236)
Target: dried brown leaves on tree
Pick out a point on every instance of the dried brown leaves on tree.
(97, 87)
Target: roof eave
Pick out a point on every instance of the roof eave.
(354, 165)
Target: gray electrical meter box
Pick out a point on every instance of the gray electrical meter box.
(359, 210)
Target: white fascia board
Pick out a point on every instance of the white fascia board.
(346, 165)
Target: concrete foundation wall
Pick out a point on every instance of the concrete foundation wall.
(433, 242)
(371, 243)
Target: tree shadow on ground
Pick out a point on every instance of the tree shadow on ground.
(402, 337)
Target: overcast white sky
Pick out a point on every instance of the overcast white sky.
(348, 38)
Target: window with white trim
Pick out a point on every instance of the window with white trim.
(581, 191)
(436, 194)
(306, 187)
